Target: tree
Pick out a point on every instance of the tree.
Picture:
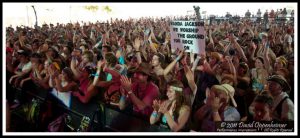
(92, 8)
(106, 9)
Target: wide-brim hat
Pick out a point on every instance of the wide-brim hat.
(282, 81)
(228, 89)
(145, 68)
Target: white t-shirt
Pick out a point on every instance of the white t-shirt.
(26, 66)
(22, 67)
(64, 97)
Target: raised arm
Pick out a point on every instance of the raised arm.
(137, 44)
(126, 84)
(172, 64)
(155, 116)
(239, 49)
(76, 72)
(69, 87)
(195, 63)
(266, 59)
(189, 74)
(232, 69)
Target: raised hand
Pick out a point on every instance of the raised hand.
(228, 58)
(156, 104)
(215, 104)
(183, 60)
(164, 106)
(126, 83)
(137, 43)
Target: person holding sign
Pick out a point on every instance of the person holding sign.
(188, 35)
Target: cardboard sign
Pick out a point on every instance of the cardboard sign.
(188, 35)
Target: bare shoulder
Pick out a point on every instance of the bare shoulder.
(185, 108)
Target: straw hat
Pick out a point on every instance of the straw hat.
(228, 89)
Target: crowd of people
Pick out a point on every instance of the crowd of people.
(246, 72)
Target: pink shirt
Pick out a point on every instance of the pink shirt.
(147, 96)
(84, 83)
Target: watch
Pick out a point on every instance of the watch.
(129, 92)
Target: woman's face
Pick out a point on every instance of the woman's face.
(85, 59)
(278, 64)
(155, 61)
(46, 64)
(212, 60)
(261, 112)
(258, 63)
(171, 93)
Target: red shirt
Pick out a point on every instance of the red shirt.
(147, 96)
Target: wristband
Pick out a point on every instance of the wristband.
(177, 59)
(96, 74)
(122, 98)
(154, 114)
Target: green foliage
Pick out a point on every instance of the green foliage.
(92, 8)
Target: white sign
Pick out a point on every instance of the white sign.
(188, 35)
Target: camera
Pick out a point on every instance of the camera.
(231, 52)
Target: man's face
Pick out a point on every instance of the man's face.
(140, 77)
(274, 87)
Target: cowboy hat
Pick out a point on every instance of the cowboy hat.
(145, 68)
(282, 81)
(228, 89)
